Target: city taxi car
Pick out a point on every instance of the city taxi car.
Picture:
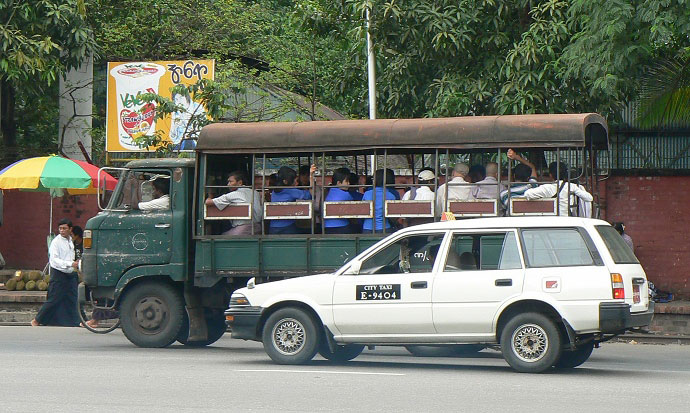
(547, 290)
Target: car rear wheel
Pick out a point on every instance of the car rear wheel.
(342, 353)
(573, 358)
(290, 336)
(530, 343)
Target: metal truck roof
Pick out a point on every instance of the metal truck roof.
(471, 132)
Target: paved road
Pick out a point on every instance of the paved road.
(71, 370)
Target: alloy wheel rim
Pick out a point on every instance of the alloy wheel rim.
(288, 336)
(530, 343)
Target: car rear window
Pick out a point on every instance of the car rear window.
(620, 251)
(556, 247)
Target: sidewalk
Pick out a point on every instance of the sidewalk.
(671, 323)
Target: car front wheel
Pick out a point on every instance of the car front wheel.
(290, 336)
(530, 343)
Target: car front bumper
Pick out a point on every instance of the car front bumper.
(244, 321)
(616, 317)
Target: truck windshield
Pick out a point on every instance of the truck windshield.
(134, 187)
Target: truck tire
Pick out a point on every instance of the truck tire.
(215, 322)
(342, 353)
(151, 314)
(290, 336)
(573, 358)
(530, 343)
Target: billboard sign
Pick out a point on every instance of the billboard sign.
(128, 117)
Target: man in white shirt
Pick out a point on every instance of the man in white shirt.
(487, 188)
(161, 199)
(238, 195)
(456, 188)
(563, 188)
(425, 178)
(60, 307)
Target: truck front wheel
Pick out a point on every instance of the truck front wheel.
(152, 314)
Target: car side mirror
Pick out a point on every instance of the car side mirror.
(354, 268)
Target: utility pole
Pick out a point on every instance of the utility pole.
(371, 65)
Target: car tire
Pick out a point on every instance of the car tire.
(342, 353)
(573, 358)
(151, 314)
(530, 343)
(290, 336)
(215, 323)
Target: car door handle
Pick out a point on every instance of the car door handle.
(418, 284)
(504, 282)
(162, 225)
(638, 281)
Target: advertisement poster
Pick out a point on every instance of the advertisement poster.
(128, 117)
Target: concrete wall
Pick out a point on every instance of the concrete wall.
(27, 221)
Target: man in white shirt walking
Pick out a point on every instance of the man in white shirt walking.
(60, 307)
(562, 187)
(457, 188)
(238, 195)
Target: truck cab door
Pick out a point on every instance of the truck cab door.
(132, 237)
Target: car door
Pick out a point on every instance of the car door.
(481, 270)
(391, 295)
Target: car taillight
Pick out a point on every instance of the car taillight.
(86, 238)
(617, 286)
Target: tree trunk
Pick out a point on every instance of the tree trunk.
(8, 125)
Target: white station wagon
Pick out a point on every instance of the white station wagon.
(547, 290)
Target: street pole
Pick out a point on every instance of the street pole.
(371, 66)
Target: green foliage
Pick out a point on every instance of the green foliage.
(40, 39)
(665, 93)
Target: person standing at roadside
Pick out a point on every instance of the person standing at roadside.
(620, 227)
(60, 308)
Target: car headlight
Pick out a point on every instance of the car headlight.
(238, 299)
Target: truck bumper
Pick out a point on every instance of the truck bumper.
(243, 321)
(616, 317)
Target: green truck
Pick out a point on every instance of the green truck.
(170, 271)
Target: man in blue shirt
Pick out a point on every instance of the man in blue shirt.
(338, 192)
(379, 194)
(286, 177)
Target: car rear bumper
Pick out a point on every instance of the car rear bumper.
(244, 322)
(616, 317)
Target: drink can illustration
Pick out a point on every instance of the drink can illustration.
(135, 117)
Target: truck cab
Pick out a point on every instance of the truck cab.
(140, 259)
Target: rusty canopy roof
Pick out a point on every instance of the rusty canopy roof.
(472, 132)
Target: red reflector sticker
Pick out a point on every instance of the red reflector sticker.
(636, 294)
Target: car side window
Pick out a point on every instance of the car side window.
(411, 254)
(556, 247)
(483, 251)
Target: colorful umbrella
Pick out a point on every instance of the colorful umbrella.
(48, 172)
(53, 173)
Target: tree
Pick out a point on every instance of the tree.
(40, 40)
